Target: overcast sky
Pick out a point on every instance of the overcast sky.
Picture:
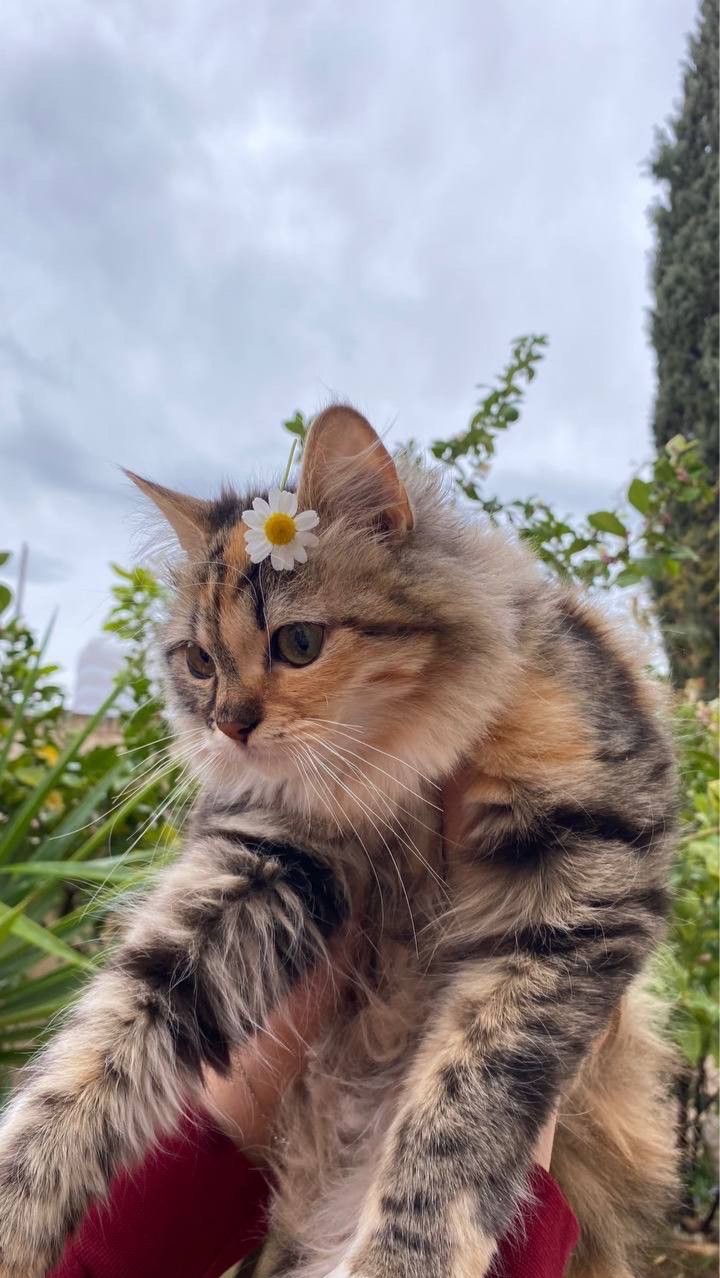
(213, 213)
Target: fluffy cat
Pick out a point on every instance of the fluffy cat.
(501, 968)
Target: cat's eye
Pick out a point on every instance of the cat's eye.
(299, 643)
(199, 662)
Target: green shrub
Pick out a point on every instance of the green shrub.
(80, 814)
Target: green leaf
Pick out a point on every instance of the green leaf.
(41, 1013)
(108, 869)
(5, 596)
(17, 828)
(4, 556)
(28, 995)
(11, 1060)
(630, 576)
(656, 566)
(606, 521)
(25, 694)
(296, 425)
(678, 445)
(106, 827)
(7, 923)
(640, 495)
(30, 777)
(34, 934)
(54, 846)
(689, 1038)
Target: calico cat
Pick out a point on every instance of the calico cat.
(501, 967)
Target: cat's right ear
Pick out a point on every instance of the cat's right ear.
(346, 466)
(188, 516)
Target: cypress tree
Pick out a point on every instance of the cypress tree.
(685, 334)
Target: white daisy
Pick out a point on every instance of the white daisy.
(274, 528)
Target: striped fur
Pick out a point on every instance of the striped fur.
(502, 967)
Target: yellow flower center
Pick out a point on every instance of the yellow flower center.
(279, 528)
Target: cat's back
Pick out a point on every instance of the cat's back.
(582, 722)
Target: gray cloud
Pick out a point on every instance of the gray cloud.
(41, 569)
(212, 214)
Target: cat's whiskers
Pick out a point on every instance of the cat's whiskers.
(183, 804)
(395, 757)
(311, 764)
(185, 737)
(176, 734)
(154, 776)
(369, 813)
(163, 764)
(327, 802)
(183, 781)
(337, 723)
(121, 857)
(394, 825)
(144, 780)
(395, 780)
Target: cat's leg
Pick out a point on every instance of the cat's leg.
(512, 1031)
(214, 947)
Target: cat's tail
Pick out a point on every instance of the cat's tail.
(615, 1153)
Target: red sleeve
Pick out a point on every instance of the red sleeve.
(544, 1238)
(196, 1206)
(192, 1209)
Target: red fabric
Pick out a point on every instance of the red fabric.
(196, 1206)
(192, 1209)
(545, 1237)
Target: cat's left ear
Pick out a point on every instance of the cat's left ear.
(189, 517)
(348, 470)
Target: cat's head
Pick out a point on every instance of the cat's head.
(379, 656)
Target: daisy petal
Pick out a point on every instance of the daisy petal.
(257, 556)
(306, 519)
(274, 499)
(253, 519)
(287, 503)
(261, 506)
(257, 541)
(306, 539)
(299, 551)
(278, 561)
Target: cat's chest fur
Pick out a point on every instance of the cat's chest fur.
(333, 1120)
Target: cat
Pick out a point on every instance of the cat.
(501, 969)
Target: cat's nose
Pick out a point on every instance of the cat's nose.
(238, 729)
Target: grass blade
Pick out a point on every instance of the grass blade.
(43, 939)
(106, 869)
(26, 691)
(16, 830)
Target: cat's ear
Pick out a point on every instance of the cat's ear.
(188, 516)
(346, 465)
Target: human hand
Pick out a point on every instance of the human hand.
(245, 1102)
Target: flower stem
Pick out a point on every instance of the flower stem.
(286, 475)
